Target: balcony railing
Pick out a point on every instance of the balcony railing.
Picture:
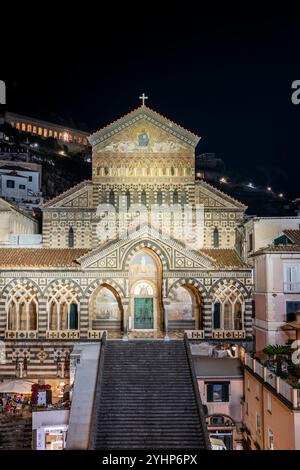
(229, 334)
(279, 385)
(20, 334)
(63, 334)
(291, 286)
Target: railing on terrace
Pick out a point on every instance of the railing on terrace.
(291, 286)
(280, 386)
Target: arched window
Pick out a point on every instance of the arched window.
(127, 199)
(183, 198)
(105, 309)
(175, 197)
(63, 309)
(135, 197)
(216, 237)
(144, 198)
(228, 308)
(151, 197)
(21, 307)
(167, 197)
(71, 238)
(112, 198)
(159, 198)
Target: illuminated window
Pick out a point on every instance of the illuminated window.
(40, 131)
(60, 136)
(29, 128)
(23, 126)
(34, 129)
(270, 439)
(63, 308)
(45, 133)
(66, 137)
(21, 307)
(228, 308)
(18, 126)
(50, 133)
(55, 134)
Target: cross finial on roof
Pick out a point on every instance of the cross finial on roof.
(143, 98)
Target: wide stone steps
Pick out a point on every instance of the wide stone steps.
(145, 398)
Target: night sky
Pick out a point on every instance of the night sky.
(225, 74)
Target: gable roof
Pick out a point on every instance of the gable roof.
(144, 112)
(12, 206)
(209, 187)
(66, 193)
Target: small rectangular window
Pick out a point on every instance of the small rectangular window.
(257, 391)
(22, 186)
(270, 439)
(269, 402)
(258, 430)
(291, 309)
(250, 247)
(10, 184)
(218, 392)
(30, 179)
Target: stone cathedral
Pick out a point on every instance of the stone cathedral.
(117, 258)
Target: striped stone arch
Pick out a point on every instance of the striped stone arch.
(57, 283)
(105, 281)
(151, 245)
(187, 282)
(229, 282)
(24, 282)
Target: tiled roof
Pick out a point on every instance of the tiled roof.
(293, 235)
(66, 193)
(40, 257)
(224, 257)
(277, 249)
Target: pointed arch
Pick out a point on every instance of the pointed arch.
(22, 308)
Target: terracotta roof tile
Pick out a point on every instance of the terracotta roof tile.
(293, 235)
(40, 257)
(277, 249)
(224, 257)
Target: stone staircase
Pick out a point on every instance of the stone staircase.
(147, 398)
(15, 433)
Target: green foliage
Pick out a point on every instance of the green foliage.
(277, 350)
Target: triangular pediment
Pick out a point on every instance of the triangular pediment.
(112, 255)
(214, 198)
(146, 115)
(80, 196)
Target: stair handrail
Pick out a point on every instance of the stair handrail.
(197, 393)
(96, 398)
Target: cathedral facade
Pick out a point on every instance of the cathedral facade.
(142, 250)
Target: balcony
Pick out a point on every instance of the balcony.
(19, 334)
(228, 334)
(279, 385)
(63, 334)
(291, 287)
